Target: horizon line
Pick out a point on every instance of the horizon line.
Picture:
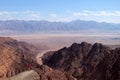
(62, 21)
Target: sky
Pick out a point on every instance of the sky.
(61, 10)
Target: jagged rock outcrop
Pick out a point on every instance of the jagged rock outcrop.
(87, 62)
(66, 58)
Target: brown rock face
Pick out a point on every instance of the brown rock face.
(87, 62)
(14, 56)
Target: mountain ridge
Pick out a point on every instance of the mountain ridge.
(76, 26)
(87, 62)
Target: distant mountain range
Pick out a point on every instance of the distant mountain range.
(38, 27)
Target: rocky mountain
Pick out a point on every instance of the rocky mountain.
(77, 26)
(17, 57)
(87, 62)
(78, 62)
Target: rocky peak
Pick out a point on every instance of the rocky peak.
(87, 62)
(70, 57)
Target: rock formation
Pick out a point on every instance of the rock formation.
(87, 62)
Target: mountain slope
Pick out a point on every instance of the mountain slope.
(15, 56)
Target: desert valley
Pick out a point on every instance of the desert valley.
(58, 55)
(60, 40)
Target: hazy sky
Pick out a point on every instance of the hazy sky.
(61, 10)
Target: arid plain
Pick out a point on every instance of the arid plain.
(57, 41)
